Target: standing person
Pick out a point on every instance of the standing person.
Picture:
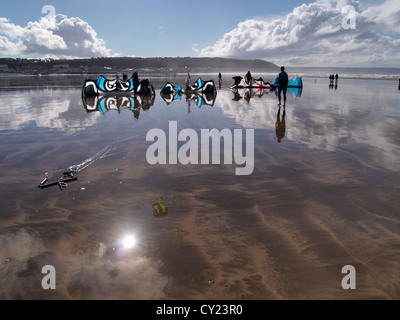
(188, 78)
(283, 83)
(331, 80)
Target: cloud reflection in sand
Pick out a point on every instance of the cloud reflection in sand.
(342, 120)
(98, 271)
(44, 109)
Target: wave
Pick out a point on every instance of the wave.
(347, 73)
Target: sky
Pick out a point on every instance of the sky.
(362, 33)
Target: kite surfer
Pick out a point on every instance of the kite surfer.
(283, 84)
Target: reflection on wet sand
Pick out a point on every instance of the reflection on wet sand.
(325, 198)
(43, 108)
(118, 102)
(248, 93)
(171, 97)
(280, 125)
(324, 123)
(198, 98)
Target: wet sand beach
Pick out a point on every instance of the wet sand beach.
(324, 197)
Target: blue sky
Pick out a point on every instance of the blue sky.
(152, 28)
(292, 32)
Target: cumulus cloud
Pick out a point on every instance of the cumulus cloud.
(195, 47)
(313, 35)
(386, 15)
(59, 36)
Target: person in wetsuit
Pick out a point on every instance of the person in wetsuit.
(283, 83)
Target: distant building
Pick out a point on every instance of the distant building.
(99, 69)
(61, 67)
(3, 66)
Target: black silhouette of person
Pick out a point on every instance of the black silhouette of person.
(280, 125)
(283, 84)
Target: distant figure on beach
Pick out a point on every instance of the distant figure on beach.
(188, 78)
(280, 125)
(331, 80)
(337, 77)
(248, 76)
(399, 83)
(219, 80)
(283, 83)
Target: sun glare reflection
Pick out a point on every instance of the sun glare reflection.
(128, 241)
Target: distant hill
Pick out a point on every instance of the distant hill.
(179, 64)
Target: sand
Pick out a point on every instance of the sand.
(325, 197)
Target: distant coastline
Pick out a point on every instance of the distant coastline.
(128, 65)
(179, 65)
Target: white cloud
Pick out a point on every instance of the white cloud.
(9, 29)
(195, 47)
(313, 35)
(386, 15)
(8, 47)
(61, 37)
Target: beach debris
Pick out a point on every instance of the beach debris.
(67, 176)
(160, 208)
(44, 181)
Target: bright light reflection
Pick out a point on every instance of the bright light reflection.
(128, 242)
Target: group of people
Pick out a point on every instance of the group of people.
(333, 80)
(333, 77)
(283, 83)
